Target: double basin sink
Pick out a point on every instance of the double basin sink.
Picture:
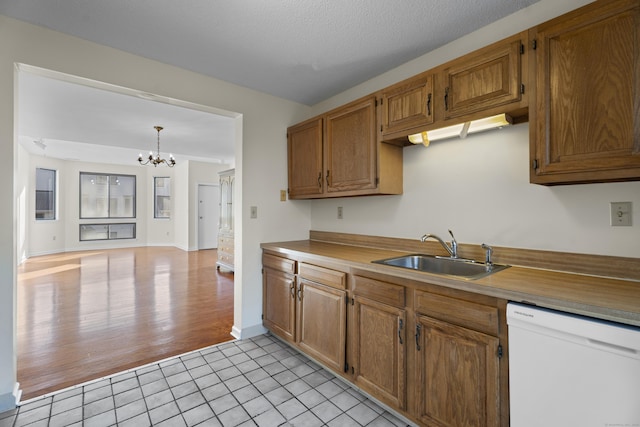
(456, 267)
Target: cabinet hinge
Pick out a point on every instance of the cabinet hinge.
(535, 164)
(352, 301)
(380, 128)
(534, 44)
(262, 316)
(377, 181)
(346, 367)
(346, 299)
(522, 88)
(500, 351)
(521, 49)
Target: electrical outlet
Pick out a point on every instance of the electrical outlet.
(339, 212)
(254, 212)
(620, 214)
(283, 195)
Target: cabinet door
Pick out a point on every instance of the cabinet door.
(350, 147)
(585, 124)
(304, 147)
(458, 374)
(322, 317)
(378, 344)
(279, 306)
(407, 105)
(485, 79)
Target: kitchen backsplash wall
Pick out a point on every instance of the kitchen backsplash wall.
(479, 188)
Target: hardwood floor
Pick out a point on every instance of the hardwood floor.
(84, 315)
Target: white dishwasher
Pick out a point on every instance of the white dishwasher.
(567, 370)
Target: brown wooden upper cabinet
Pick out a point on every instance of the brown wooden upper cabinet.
(304, 151)
(339, 154)
(407, 105)
(487, 78)
(489, 81)
(585, 115)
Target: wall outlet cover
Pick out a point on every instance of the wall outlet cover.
(621, 214)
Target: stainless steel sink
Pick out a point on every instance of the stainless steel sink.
(457, 267)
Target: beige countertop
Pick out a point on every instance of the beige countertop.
(600, 297)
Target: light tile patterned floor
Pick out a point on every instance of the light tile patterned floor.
(253, 382)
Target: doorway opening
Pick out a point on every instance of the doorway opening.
(162, 261)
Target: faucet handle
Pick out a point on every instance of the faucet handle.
(454, 245)
(487, 257)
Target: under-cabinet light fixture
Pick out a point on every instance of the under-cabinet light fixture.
(461, 130)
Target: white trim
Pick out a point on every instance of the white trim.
(10, 401)
(250, 332)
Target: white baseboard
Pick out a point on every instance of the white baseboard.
(249, 332)
(10, 401)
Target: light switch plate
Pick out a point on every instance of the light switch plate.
(620, 214)
(254, 212)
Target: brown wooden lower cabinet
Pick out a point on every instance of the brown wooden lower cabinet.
(458, 375)
(322, 323)
(278, 294)
(378, 337)
(436, 355)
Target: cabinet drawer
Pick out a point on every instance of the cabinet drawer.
(333, 278)
(471, 315)
(279, 263)
(376, 290)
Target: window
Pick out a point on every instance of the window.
(45, 194)
(161, 197)
(107, 231)
(107, 196)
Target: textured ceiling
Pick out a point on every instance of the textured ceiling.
(302, 50)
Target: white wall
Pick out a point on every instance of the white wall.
(260, 150)
(479, 188)
(62, 234)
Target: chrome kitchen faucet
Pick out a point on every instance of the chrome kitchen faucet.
(453, 250)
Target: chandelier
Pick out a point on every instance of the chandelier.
(157, 160)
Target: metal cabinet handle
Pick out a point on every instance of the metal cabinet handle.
(328, 185)
(446, 98)
(292, 289)
(400, 325)
(428, 104)
(418, 330)
(300, 294)
(320, 180)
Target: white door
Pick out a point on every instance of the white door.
(208, 216)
